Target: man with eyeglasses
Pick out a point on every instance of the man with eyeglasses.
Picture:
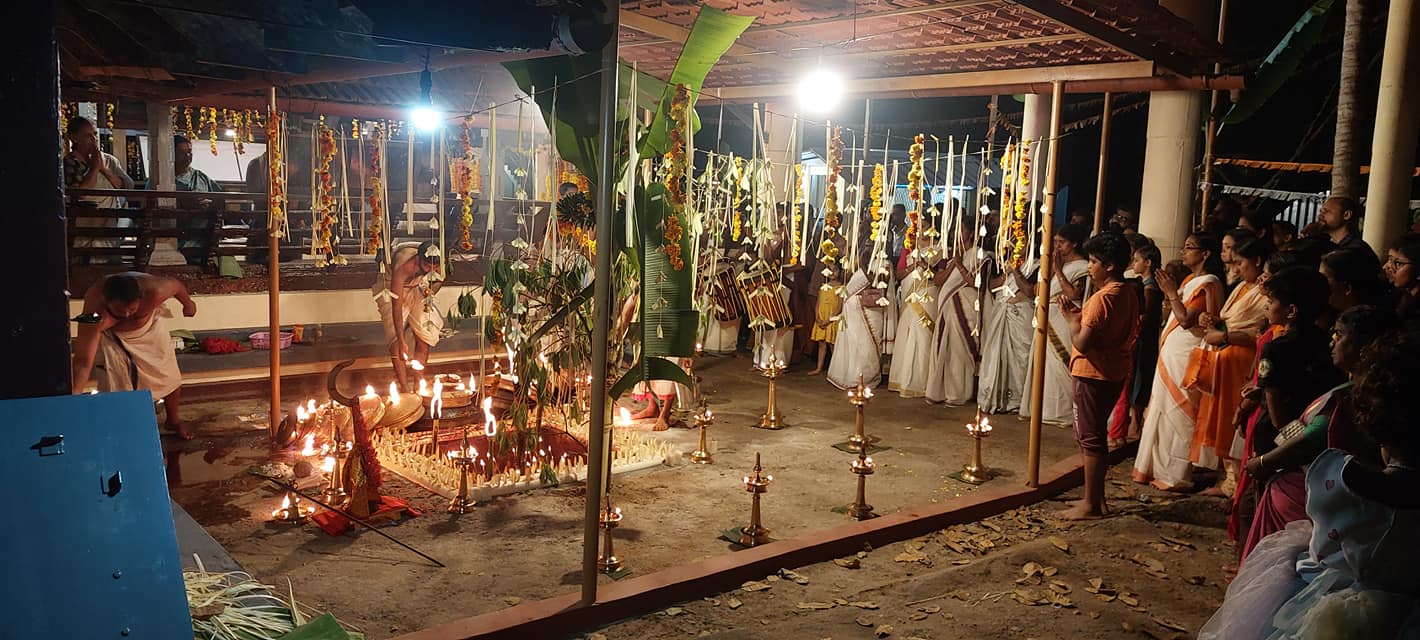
(1400, 269)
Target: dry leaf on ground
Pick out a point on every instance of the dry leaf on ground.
(733, 602)
(864, 604)
(815, 605)
(1060, 544)
(754, 585)
(863, 621)
(883, 631)
(848, 563)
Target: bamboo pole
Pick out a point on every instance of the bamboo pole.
(602, 310)
(1101, 178)
(1042, 291)
(273, 271)
(1211, 133)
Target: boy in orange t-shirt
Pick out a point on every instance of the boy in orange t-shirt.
(1102, 344)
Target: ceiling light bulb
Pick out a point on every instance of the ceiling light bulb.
(820, 91)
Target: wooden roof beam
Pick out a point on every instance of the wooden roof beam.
(1054, 10)
(671, 32)
(946, 48)
(905, 11)
(982, 80)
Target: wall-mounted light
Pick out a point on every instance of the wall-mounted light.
(424, 117)
(820, 91)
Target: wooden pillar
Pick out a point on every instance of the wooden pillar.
(1211, 133)
(1042, 293)
(1102, 177)
(34, 326)
(273, 267)
(1397, 126)
(601, 310)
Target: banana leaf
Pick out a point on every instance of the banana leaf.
(650, 368)
(669, 321)
(710, 37)
(1282, 63)
(322, 628)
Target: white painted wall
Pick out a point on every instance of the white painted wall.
(239, 310)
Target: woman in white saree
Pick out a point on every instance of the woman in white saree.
(1165, 442)
(859, 347)
(1069, 278)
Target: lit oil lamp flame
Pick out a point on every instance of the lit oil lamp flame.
(423, 387)
(624, 417)
(437, 405)
(310, 448)
(490, 426)
(311, 407)
(328, 465)
(370, 391)
(415, 365)
(394, 394)
(285, 507)
(301, 414)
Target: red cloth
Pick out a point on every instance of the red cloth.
(336, 524)
(1283, 501)
(1119, 420)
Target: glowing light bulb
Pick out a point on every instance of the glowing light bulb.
(820, 91)
(425, 118)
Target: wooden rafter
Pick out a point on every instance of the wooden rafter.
(671, 32)
(946, 48)
(905, 11)
(912, 85)
(1081, 23)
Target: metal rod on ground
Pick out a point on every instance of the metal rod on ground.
(1211, 133)
(1101, 177)
(273, 269)
(1042, 292)
(601, 309)
(346, 514)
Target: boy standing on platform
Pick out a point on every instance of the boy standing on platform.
(1102, 340)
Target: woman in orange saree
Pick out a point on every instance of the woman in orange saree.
(1233, 334)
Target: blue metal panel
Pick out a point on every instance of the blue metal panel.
(91, 552)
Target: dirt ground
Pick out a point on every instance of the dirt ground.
(528, 546)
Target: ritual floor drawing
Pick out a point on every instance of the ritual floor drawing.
(526, 546)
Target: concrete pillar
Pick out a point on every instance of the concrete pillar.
(1397, 127)
(1171, 151)
(1035, 125)
(34, 327)
(160, 177)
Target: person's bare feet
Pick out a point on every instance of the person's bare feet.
(1115, 443)
(814, 372)
(649, 412)
(1139, 478)
(1164, 487)
(661, 425)
(181, 430)
(1081, 510)
(1213, 492)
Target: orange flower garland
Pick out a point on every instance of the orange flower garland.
(876, 194)
(915, 154)
(464, 184)
(830, 201)
(325, 243)
(737, 221)
(376, 200)
(212, 128)
(676, 169)
(796, 243)
(276, 176)
(1018, 224)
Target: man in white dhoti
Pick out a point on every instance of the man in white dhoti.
(405, 297)
(857, 352)
(918, 313)
(956, 347)
(128, 326)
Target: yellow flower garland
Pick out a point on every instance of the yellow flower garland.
(376, 199)
(1022, 197)
(828, 251)
(796, 243)
(677, 166)
(325, 243)
(876, 194)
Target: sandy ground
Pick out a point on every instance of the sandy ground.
(528, 546)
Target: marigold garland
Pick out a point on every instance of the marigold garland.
(796, 243)
(915, 154)
(325, 243)
(737, 221)
(108, 115)
(376, 199)
(876, 193)
(276, 174)
(212, 128)
(1022, 197)
(463, 183)
(676, 169)
(830, 201)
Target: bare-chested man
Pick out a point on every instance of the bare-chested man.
(405, 298)
(138, 351)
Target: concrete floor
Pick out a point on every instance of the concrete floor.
(529, 546)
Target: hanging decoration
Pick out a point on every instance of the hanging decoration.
(737, 222)
(109, 108)
(1022, 190)
(276, 174)
(212, 128)
(374, 240)
(876, 194)
(465, 175)
(676, 168)
(325, 244)
(796, 242)
(831, 211)
(915, 174)
(355, 129)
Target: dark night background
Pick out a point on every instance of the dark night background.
(1296, 124)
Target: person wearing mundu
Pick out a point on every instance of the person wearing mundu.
(405, 297)
(133, 335)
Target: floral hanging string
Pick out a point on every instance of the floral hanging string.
(376, 199)
(464, 178)
(1022, 198)
(676, 169)
(276, 175)
(915, 154)
(737, 222)
(796, 242)
(876, 194)
(828, 251)
(326, 246)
